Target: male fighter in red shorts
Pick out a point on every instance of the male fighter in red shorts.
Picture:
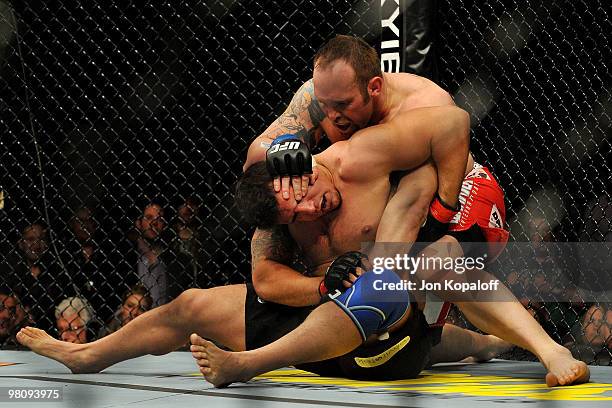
(349, 92)
(361, 313)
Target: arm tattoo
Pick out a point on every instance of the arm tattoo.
(274, 244)
(314, 109)
(303, 115)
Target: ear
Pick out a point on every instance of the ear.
(375, 86)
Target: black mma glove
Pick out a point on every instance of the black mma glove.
(340, 270)
(439, 216)
(288, 156)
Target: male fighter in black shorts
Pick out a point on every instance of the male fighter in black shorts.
(219, 313)
(341, 176)
(348, 92)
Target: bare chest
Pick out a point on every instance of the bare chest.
(354, 224)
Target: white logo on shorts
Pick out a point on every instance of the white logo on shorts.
(495, 220)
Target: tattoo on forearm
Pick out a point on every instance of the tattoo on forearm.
(302, 117)
(274, 244)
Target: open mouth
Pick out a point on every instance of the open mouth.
(323, 202)
(343, 127)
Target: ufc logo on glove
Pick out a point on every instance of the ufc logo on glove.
(294, 145)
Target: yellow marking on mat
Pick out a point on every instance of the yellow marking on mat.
(583, 392)
(382, 358)
(459, 383)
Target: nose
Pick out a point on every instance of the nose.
(331, 113)
(306, 206)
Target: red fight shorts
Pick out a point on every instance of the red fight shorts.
(482, 204)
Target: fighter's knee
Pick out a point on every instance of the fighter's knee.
(189, 302)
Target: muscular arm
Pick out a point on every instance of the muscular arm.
(412, 138)
(407, 209)
(302, 118)
(274, 281)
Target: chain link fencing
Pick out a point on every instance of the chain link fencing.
(535, 79)
(123, 127)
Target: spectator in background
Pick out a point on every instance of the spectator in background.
(72, 316)
(90, 269)
(187, 246)
(135, 302)
(595, 328)
(34, 275)
(33, 246)
(13, 316)
(598, 221)
(150, 244)
(84, 228)
(187, 224)
(545, 276)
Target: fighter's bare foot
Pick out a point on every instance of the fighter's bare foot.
(219, 367)
(66, 353)
(564, 369)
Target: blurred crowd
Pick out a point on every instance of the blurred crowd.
(102, 286)
(564, 281)
(82, 287)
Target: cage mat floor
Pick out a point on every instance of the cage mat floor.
(173, 381)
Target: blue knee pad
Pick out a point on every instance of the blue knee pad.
(371, 305)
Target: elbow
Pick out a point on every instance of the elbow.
(251, 160)
(256, 153)
(261, 283)
(458, 132)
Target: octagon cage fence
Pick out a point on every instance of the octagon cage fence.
(119, 115)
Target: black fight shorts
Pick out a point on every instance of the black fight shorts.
(266, 322)
(403, 355)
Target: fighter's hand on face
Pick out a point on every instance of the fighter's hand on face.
(300, 184)
(290, 162)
